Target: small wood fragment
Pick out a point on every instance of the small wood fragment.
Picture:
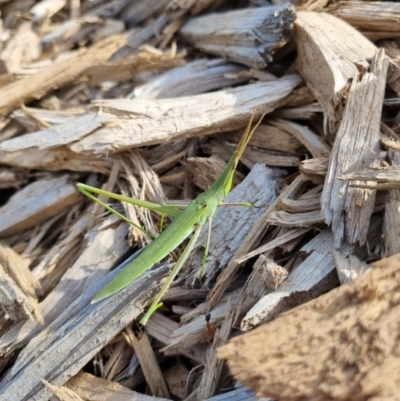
(349, 209)
(375, 19)
(349, 267)
(56, 75)
(94, 388)
(311, 278)
(36, 203)
(213, 368)
(325, 64)
(249, 36)
(18, 270)
(196, 77)
(151, 370)
(62, 393)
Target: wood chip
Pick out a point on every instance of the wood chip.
(248, 36)
(36, 203)
(348, 209)
(300, 363)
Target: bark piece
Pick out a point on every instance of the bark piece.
(326, 65)
(36, 203)
(375, 19)
(349, 209)
(311, 356)
(249, 36)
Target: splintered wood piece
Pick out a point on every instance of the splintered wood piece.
(375, 19)
(62, 255)
(62, 393)
(148, 122)
(94, 388)
(285, 219)
(301, 205)
(314, 144)
(92, 265)
(378, 178)
(316, 167)
(176, 378)
(249, 36)
(281, 240)
(270, 274)
(56, 75)
(340, 346)
(213, 367)
(23, 47)
(148, 362)
(306, 112)
(326, 65)
(87, 141)
(12, 178)
(241, 393)
(251, 156)
(194, 329)
(76, 336)
(308, 280)
(269, 137)
(289, 191)
(349, 209)
(14, 302)
(205, 170)
(391, 225)
(349, 267)
(126, 69)
(196, 77)
(18, 270)
(36, 203)
(45, 9)
(232, 225)
(265, 277)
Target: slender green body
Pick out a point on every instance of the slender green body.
(187, 222)
(198, 211)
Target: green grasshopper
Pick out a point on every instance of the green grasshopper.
(187, 222)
